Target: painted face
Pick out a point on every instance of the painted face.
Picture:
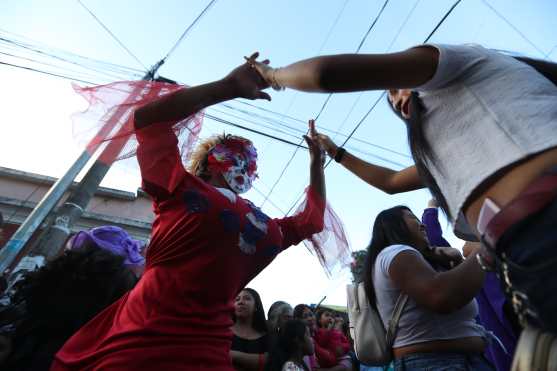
(236, 176)
(236, 160)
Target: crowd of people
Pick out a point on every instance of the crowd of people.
(482, 132)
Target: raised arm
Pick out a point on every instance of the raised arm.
(385, 179)
(355, 72)
(242, 82)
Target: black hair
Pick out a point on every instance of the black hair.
(299, 311)
(291, 336)
(421, 150)
(258, 321)
(389, 229)
(54, 301)
(320, 312)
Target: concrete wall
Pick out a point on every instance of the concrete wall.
(21, 191)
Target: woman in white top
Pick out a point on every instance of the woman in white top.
(437, 328)
(482, 128)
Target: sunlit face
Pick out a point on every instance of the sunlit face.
(400, 100)
(417, 229)
(237, 176)
(326, 319)
(309, 317)
(244, 305)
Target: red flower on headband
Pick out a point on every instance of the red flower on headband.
(221, 156)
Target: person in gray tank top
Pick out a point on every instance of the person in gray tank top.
(437, 326)
(482, 128)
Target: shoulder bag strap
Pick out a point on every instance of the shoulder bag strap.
(393, 323)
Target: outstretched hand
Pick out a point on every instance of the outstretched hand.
(265, 70)
(247, 81)
(326, 144)
(316, 153)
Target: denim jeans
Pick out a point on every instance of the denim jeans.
(527, 260)
(443, 362)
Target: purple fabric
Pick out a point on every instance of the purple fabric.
(490, 302)
(113, 239)
(430, 218)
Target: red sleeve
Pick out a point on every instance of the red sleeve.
(304, 224)
(159, 160)
(325, 357)
(338, 340)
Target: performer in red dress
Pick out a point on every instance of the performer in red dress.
(207, 242)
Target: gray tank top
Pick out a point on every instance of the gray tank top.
(417, 324)
(483, 111)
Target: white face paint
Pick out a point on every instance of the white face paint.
(237, 176)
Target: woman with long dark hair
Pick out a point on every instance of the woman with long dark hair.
(437, 327)
(482, 131)
(250, 342)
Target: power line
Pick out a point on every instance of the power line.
(373, 23)
(102, 67)
(212, 117)
(48, 73)
(298, 131)
(383, 94)
(510, 24)
(550, 52)
(230, 123)
(188, 29)
(48, 64)
(341, 11)
(35, 44)
(112, 34)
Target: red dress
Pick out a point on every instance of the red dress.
(206, 245)
(327, 341)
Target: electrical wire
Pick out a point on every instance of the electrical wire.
(510, 24)
(188, 29)
(112, 35)
(283, 171)
(383, 94)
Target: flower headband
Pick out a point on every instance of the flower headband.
(222, 156)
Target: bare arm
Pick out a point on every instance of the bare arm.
(356, 72)
(183, 103)
(243, 82)
(441, 292)
(385, 179)
(316, 172)
(388, 180)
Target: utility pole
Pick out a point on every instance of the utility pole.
(77, 201)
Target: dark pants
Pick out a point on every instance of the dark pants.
(442, 362)
(527, 267)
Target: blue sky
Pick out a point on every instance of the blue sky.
(36, 109)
